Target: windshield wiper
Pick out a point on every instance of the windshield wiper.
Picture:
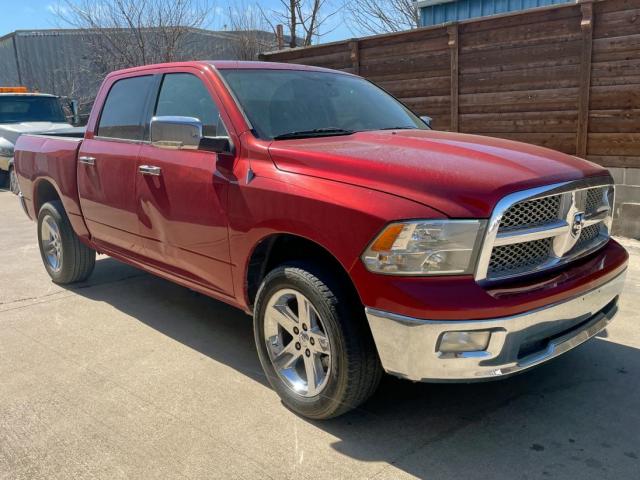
(316, 132)
(405, 127)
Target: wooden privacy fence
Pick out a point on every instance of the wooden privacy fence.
(565, 77)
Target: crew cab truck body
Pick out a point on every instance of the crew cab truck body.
(359, 239)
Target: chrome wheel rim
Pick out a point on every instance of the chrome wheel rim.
(13, 182)
(298, 343)
(51, 242)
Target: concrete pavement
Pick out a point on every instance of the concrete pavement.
(130, 376)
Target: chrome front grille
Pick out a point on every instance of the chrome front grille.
(530, 213)
(518, 256)
(587, 235)
(541, 228)
(594, 199)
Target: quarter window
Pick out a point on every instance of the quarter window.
(184, 95)
(124, 110)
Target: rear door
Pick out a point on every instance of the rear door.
(182, 205)
(107, 164)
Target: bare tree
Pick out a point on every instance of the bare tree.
(248, 31)
(125, 33)
(369, 17)
(310, 15)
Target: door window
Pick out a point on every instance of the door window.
(184, 95)
(124, 109)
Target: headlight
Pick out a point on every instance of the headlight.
(6, 148)
(426, 247)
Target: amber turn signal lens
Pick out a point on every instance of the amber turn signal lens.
(384, 242)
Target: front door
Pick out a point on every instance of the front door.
(181, 204)
(107, 166)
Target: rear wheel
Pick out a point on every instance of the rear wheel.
(65, 257)
(13, 181)
(313, 342)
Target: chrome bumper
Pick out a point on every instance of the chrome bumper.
(408, 347)
(23, 204)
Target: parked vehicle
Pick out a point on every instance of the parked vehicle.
(360, 240)
(25, 112)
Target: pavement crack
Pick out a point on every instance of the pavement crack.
(61, 294)
(27, 299)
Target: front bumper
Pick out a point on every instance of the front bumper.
(23, 204)
(409, 347)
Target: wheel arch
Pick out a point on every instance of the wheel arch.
(278, 248)
(45, 191)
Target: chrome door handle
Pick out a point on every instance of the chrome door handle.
(150, 170)
(87, 160)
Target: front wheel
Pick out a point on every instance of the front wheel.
(313, 342)
(65, 257)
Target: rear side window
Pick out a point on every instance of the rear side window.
(184, 95)
(124, 110)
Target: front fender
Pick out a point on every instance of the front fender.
(341, 218)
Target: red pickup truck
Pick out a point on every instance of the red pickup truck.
(360, 240)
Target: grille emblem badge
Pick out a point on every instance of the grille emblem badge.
(578, 224)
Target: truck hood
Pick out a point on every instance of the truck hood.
(462, 176)
(11, 131)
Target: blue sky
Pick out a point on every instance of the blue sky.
(35, 14)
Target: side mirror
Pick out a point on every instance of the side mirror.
(427, 120)
(75, 112)
(176, 132)
(216, 144)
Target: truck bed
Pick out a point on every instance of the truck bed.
(51, 158)
(71, 132)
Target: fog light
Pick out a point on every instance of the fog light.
(452, 342)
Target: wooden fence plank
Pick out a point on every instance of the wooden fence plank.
(619, 161)
(614, 121)
(615, 96)
(614, 144)
(524, 122)
(526, 101)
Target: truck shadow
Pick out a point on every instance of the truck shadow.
(575, 417)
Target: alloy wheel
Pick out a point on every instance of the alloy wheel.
(298, 343)
(51, 242)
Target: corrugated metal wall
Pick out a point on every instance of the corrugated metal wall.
(8, 67)
(59, 61)
(52, 62)
(465, 9)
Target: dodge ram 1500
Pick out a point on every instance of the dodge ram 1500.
(360, 240)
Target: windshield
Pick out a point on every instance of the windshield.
(291, 103)
(24, 108)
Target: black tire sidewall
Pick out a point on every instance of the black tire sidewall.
(329, 400)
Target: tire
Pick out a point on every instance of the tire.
(344, 344)
(65, 257)
(4, 179)
(13, 181)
